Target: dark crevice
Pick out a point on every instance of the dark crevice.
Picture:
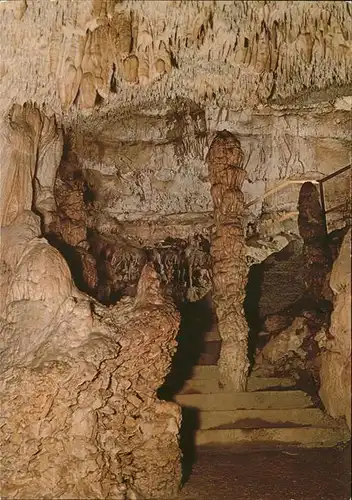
(99, 100)
(197, 319)
(251, 308)
(113, 82)
(88, 194)
(173, 60)
(73, 260)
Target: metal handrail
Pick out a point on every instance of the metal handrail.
(273, 190)
(322, 197)
(320, 182)
(337, 172)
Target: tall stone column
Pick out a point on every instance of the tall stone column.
(226, 174)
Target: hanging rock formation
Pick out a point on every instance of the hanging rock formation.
(226, 174)
(141, 50)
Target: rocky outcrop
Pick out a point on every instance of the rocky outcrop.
(285, 352)
(79, 415)
(225, 159)
(335, 373)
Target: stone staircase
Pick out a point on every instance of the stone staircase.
(272, 410)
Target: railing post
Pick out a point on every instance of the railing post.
(322, 197)
(322, 201)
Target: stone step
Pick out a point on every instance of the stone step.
(249, 419)
(269, 383)
(212, 385)
(312, 437)
(212, 336)
(245, 400)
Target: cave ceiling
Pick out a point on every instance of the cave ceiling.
(237, 54)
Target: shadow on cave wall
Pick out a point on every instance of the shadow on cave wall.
(196, 320)
(72, 258)
(251, 308)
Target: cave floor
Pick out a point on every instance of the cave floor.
(269, 473)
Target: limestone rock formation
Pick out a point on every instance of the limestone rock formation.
(20, 133)
(136, 50)
(277, 354)
(335, 371)
(107, 113)
(80, 417)
(225, 160)
(293, 290)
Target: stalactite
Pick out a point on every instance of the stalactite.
(227, 249)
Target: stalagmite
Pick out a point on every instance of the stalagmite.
(228, 252)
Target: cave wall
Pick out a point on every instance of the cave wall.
(275, 75)
(289, 301)
(150, 167)
(335, 373)
(80, 417)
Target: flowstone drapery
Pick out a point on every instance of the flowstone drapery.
(228, 253)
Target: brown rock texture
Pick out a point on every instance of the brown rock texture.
(295, 348)
(228, 255)
(335, 373)
(79, 414)
(277, 354)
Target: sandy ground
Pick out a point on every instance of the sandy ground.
(263, 473)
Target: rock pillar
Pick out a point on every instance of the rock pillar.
(228, 254)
